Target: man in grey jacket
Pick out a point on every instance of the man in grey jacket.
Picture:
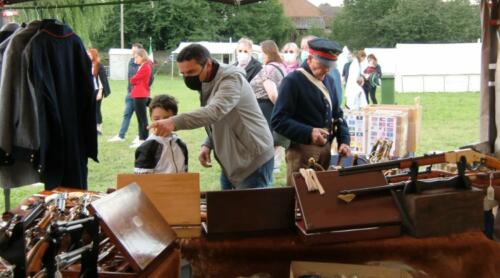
(237, 130)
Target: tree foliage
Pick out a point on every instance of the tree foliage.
(169, 22)
(383, 23)
(85, 21)
(355, 24)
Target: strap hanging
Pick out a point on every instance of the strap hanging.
(318, 84)
(312, 180)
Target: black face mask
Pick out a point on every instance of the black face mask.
(193, 82)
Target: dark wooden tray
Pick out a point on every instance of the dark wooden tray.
(250, 210)
(326, 212)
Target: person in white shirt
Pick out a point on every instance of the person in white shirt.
(355, 98)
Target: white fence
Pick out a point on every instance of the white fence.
(438, 83)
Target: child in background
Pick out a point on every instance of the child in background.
(161, 154)
(356, 99)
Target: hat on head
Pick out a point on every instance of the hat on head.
(325, 51)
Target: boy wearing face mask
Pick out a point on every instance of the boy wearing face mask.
(245, 60)
(290, 56)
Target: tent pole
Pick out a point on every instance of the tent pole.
(6, 194)
(492, 130)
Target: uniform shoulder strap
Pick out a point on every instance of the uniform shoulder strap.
(318, 84)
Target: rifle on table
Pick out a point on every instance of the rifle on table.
(466, 156)
(435, 183)
(463, 158)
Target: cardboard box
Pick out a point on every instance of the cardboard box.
(298, 268)
(391, 125)
(414, 120)
(357, 123)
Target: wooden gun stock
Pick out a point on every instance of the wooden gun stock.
(44, 223)
(40, 229)
(471, 156)
(491, 162)
(35, 256)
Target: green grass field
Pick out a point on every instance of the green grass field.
(450, 120)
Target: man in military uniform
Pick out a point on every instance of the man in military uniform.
(308, 112)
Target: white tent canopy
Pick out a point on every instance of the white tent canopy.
(432, 67)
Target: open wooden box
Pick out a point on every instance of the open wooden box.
(176, 196)
(327, 219)
(139, 233)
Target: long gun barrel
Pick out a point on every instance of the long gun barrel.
(35, 212)
(434, 183)
(399, 163)
(447, 157)
(374, 189)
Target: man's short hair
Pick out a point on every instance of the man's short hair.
(163, 101)
(194, 51)
(246, 41)
(137, 45)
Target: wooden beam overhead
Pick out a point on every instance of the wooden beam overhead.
(234, 2)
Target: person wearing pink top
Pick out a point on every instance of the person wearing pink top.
(265, 86)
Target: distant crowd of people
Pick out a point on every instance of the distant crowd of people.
(280, 106)
(362, 75)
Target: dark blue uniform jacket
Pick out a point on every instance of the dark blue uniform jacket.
(300, 107)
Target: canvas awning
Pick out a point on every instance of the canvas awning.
(234, 2)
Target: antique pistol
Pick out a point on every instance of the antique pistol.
(6, 231)
(40, 229)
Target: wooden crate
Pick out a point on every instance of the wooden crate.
(442, 212)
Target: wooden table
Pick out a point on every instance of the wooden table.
(461, 255)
